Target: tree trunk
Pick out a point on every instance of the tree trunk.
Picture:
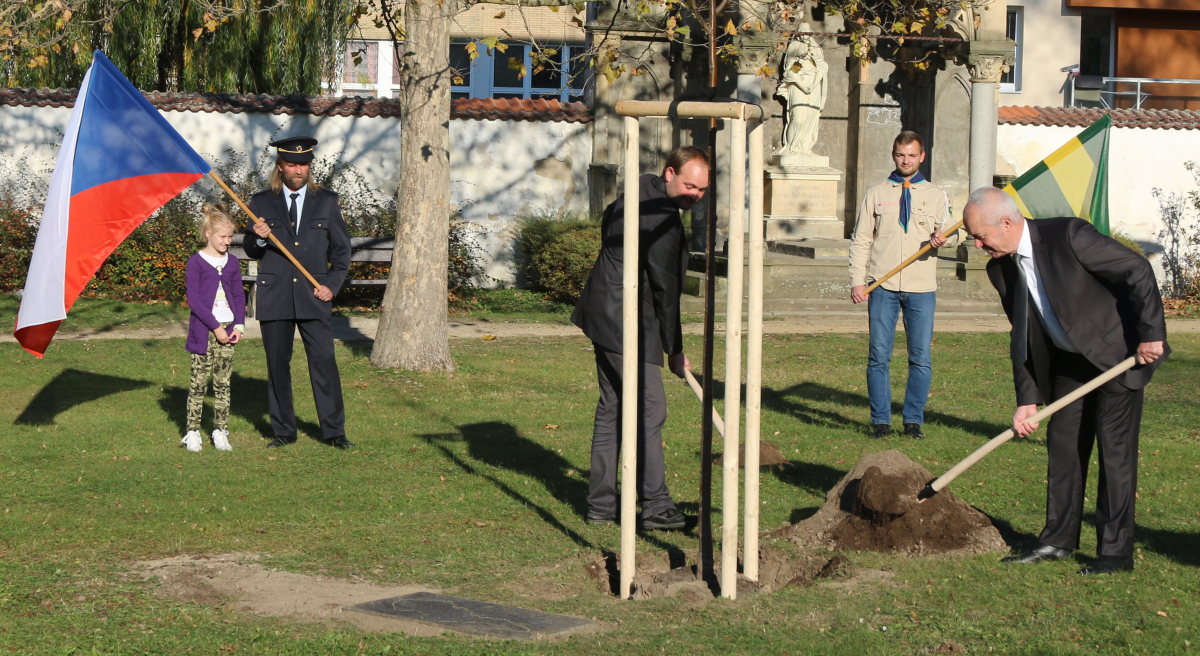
(413, 330)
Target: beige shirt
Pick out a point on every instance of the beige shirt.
(879, 243)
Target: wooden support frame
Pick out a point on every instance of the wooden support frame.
(739, 115)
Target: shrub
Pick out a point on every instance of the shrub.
(1181, 240)
(565, 261)
(1129, 242)
(18, 230)
(555, 254)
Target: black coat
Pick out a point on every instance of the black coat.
(322, 247)
(1104, 295)
(600, 313)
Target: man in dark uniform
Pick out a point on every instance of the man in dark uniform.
(599, 314)
(308, 221)
(1079, 303)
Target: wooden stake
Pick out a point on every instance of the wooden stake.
(699, 392)
(629, 359)
(733, 357)
(272, 237)
(945, 479)
(754, 331)
(912, 258)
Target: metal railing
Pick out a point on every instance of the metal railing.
(1139, 96)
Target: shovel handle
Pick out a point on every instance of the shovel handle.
(944, 480)
(695, 385)
(911, 258)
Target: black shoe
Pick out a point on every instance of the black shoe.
(340, 442)
(601, 519)
(670, 519)
(914, 431)
(881, 431)
(1042, 552)
(1108, 565)
(281, 441)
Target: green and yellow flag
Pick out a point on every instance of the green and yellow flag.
(1073, 181)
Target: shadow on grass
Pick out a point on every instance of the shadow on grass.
(501, 445)
(1179, 546)
(248, 400)
(795, 401)
(70, 388)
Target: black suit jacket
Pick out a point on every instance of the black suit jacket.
(663, 266)
(1104, 295)
(322, 247)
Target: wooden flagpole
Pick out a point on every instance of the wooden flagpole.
(272, 237)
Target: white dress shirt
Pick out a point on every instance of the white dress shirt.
(1024, 257)
(287, 202)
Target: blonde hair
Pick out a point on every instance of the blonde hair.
(215, 218)
(277, 178)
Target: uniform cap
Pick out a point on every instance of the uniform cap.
(297, 150)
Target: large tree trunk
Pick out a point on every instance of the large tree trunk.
(413, 330)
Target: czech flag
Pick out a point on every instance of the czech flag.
(119, 162)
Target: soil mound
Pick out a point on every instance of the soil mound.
(769, 455)
(875, 508)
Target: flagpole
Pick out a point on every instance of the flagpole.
(272, 237)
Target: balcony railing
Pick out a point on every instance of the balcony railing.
(1132, 92)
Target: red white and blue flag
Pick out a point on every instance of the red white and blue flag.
(119, 162)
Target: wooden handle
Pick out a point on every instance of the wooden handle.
(274, 240)
(912, 258)
(1007, 435)
(695, 385)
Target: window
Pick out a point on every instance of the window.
(498, 74)
(1095, 45)
(366, 71)
(1010, 82)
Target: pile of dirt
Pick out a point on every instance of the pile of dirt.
(875, 508)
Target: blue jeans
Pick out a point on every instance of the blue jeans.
(884, 307)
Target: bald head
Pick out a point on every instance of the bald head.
(994, 221)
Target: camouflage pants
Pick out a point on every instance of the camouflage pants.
(219, 363)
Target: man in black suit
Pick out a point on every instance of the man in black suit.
(306, 218)
(1079, 303)
(599, 313)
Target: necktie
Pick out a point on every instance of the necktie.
(1019, 343)
(906, 194)
(292, 212)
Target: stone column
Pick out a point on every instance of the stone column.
(986, 65)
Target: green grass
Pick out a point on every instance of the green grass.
(92, 480)
(103, 315)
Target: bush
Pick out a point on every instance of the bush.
(564, 264)
(1129, 242)
(1181, 239)
(18, 230)
(556, 254)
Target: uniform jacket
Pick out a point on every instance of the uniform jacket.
(879, 243)
(663, 268)
(201, 288)
(323, 247)
(1104, 295)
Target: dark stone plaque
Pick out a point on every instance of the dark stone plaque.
(473, 617)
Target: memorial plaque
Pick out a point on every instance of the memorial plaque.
(474, 617)
(800, 197)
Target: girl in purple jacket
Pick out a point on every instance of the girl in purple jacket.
(218, 303)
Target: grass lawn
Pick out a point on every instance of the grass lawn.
(458, 485)
(98, 314)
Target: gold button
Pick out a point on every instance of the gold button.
(295, 280)
(297, 243)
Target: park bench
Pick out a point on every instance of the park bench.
(362, 249)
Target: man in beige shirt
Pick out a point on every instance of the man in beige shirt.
(896, 219)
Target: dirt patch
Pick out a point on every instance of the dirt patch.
(875, 508)
(769, 455)
(240, 582)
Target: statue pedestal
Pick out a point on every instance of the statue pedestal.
(800, 202)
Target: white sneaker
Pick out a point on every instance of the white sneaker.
(220, 440)
(192, 440)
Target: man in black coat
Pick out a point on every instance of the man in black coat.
(663, 266)
(308, 221)
(1079, 303)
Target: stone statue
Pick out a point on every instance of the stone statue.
(803, 88)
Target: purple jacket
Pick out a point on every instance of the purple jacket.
(202, 281)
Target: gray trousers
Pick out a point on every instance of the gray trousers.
(606, 438)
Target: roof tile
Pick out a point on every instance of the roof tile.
(513, 109)
(1158, 119)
